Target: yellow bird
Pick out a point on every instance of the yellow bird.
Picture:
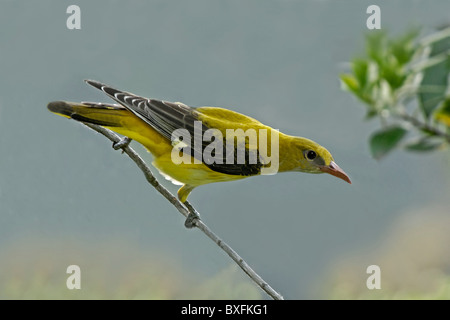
(211, 155)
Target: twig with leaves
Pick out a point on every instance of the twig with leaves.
(404, 81)
(186, 209)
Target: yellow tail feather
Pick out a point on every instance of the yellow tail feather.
(116, 118)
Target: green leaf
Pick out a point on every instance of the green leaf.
(404, 47)
(350, 82)
(424, 145)
(439, 42)
(435, 78)
(359, 67)
(370, 114)
(434, 85)
(383, 141)
(376, 46)
(394, 75)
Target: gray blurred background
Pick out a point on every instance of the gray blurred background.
(66, 197)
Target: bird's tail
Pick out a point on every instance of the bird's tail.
(116, 118)
(106, 115)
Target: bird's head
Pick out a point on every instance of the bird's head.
(313, 158)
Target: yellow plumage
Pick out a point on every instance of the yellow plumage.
(151, 123)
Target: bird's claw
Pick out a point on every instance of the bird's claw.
(191, 220)
(124, 142)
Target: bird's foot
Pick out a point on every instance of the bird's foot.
(192, 218)
(124, 142)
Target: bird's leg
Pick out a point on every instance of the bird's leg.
(124, 142)
(193, 216)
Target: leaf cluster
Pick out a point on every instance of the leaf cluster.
(404, 81)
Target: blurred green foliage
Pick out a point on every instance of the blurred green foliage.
(36, 269)
(441, 292)
(412, 256)
(403, 81)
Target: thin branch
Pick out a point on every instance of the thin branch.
(423, 126)
(185, 209)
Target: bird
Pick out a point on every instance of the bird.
(153, 122)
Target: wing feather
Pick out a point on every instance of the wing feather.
(165, 117)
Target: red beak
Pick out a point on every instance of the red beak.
(334, 170)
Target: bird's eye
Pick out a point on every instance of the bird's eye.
(310, 155)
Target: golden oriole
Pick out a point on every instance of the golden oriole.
(153, 123)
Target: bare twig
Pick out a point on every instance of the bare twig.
(185, 209)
